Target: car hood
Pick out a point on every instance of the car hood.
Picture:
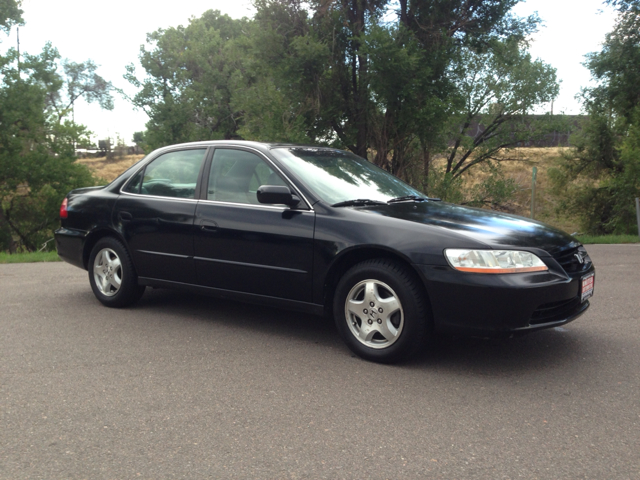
(495, 229)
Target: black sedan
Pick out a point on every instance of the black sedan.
(321, 230)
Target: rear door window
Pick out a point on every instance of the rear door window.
(174, 174)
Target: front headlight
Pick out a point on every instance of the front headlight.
(494, 261)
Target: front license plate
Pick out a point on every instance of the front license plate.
(587, 286)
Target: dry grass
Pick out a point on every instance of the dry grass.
(522, 170)
(518, 165)
(108, 170)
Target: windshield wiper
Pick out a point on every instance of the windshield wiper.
(358, 202)
(409, 198)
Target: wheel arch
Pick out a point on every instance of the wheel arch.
(350, 257)
(93, 237)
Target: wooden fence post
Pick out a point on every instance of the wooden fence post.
(533, 191)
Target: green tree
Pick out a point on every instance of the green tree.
(37, 153)
(381, 78)
(140, 141)
(189, 72)
(82, 81)
(623, 5)
(491, 112)
(349, 74)
(497, 90)
(10, 14)
(282, 63)
(599, 179)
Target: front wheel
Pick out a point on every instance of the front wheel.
(380, 311)
(111, 274)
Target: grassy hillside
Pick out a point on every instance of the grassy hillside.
(108, 170)
(521, 171)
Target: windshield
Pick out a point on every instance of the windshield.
(337, 176)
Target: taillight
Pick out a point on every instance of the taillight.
(63, 209)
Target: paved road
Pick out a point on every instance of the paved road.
(183, 386)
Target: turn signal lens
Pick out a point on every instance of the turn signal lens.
(63, 209)
(494, 261)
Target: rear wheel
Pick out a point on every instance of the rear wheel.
(380, 311)
(111, 274)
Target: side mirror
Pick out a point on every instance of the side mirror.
(277, 194)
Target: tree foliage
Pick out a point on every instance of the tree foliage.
(189, 73)
(357, 75)
(37, 142)
(383, 79)
(600, 178)
(10, 14)
(496, 92)
(624, 5)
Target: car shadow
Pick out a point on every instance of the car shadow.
(547, 349)
(268, 320)
(535, 352)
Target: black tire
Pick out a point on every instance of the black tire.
(369, 331)
(111, 274)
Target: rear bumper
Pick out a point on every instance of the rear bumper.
(499, 305)
(70, 246)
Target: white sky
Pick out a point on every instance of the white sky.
(572, 28)
(110, 33)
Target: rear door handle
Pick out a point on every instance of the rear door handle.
(125, 216)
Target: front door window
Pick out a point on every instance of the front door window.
(236, 176)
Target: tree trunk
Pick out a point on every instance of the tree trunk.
(359, 66)
(426, 163)
(4, 227)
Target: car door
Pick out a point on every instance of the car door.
(155, 213)
(245, 246)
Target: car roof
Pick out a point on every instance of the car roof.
(268, 145)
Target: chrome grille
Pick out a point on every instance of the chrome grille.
(569, 260)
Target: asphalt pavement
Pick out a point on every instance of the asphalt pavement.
(184, 386)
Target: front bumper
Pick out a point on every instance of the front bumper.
(498, 305)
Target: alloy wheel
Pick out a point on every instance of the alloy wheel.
(107, 272)
(374, 314)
